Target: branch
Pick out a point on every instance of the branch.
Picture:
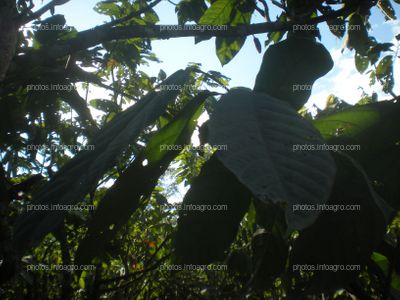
(41, 11)
(266, 11)
(92, 37)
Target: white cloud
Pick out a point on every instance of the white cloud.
(345, 82)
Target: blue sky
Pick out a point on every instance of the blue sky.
(343, 81)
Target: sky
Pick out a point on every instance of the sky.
(343, 80)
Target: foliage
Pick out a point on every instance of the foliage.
(268, 212)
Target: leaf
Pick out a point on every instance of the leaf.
(379, 156)
(162, 75)
(337, 27)
(228, 47)
(383, 264)
(276, 36)
(204, 235)
(387, 9)
(105, 105)
(260, 133)
(375, 51)
(177, 130)
(257, 44)
(80, 175)
(107, 8)
(290, 67)
(218, 13)
(138, 180)
(190, 10)
(362, 62)
(341, 236)
(270, 253)
(357, 34)
(384, 73)
(151, 17)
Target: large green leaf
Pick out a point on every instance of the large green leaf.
(80, 175)
(290, 68)
(204, 235)
(349, 122)
(261, 133)
(380, 156)
(357, 124)
(342, 235)
(123, 198)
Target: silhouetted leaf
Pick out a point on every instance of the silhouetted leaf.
(362, 62)
(290, 67)
(204, 235)
(123, 198)
(342, 236)
(260, 133)
(80, 175)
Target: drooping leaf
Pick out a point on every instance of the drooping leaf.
(337, 27)
(375, 51)
(228, 47)
(290, 67)
(261, 134)
(387, 9)
(257, 44)
(139, 181)
(357, 34)
(380, 156)
(270, 253)
(204, 235)
(384, 73)
(80, 175)
(362, 62)
(349, 228)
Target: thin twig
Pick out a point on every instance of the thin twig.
(26, 19)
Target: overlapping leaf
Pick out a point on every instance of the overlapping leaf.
(350, 227)
(205, 232)
(261, 133)
(123, 198)
(80, 175)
